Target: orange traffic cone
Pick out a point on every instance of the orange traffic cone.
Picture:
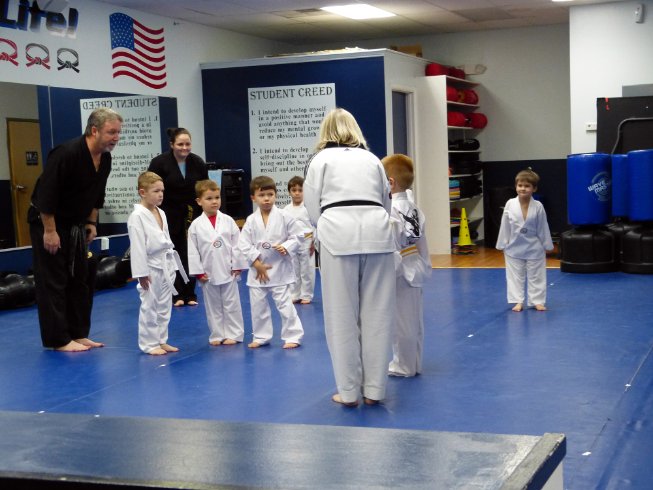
(465, 245)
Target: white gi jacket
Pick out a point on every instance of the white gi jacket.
(150, 245)
(300, 213)
(343, 174)
(214, 251)
(524, 239)
(410, 239)
(257, 241)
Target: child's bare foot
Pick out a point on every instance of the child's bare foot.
(290, 345)
(179, 302)
(370, 401)
(192, 302)
(229, 342)
(169, 348)
(296, 300)
(73, 346)
(305, 301)
(253, 345)
(157, 352)
(338, 399)
(540, 307)
(518, 307)
(89, 343)
(215, 342)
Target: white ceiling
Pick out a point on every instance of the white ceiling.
(301, 21)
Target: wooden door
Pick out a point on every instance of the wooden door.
(25, 166)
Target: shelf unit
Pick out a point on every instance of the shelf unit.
(434, 134)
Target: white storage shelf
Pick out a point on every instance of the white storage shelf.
(432, 182)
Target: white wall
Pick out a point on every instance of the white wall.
(186, 46)
(524, 92)
(608, 50)
(18, 102)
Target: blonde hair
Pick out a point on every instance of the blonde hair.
(146, 179)
(201, 186)
(529, 176)
(340, 127)
(400, 168)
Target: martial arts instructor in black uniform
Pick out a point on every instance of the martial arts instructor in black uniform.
(63, 220)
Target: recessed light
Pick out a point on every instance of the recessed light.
(358, 11)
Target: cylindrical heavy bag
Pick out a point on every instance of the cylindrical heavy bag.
(16, 291)
(456, 118)
(620, 185)
(477, 120)
(640, 185)
(589, 193)
(434, 69)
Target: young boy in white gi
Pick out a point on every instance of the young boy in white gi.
(413, 270)
(216, 261)
(268, 240)
(303, 261)
(525, 238)
(154, 263)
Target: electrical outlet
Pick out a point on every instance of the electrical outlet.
(104, 243)
(590, 126)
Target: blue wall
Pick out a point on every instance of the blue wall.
(360, 88)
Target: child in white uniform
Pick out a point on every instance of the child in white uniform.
(525, 238)
(268, 241)
(303, 261)
(413, 270)
(216, 261)
(347, 195)
(154, 263)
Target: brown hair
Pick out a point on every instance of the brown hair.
(173, 134)
(201, 186)
(529, 176)
(400, 168)
(263, 183)
(146, 179)
(296, 180)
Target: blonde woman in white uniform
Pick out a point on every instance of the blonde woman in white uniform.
(348, 198)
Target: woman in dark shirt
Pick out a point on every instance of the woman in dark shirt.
(180, 170)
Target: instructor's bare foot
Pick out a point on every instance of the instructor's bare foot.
(157, 352)
(518, 307)
(192, 302)
(89, 343)
(338, 399)
(169, 348)
(290, 345)
(540, 307)
(179, 302)
(72, 346)
(229, 342)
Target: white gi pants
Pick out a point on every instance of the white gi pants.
(291, 325)
(156, 308)
(518, 271)
(358, 295)
(224, 314)
(408, 338)
(303, 264)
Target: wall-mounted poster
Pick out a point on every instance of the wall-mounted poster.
(284, 125)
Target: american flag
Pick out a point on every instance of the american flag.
(137, 51)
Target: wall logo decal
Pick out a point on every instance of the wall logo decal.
(137, 51)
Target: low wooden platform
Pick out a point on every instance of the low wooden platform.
(86, 451)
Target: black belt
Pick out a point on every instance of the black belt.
(351, 203)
